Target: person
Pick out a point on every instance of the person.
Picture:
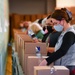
(47, 29)
(21, 25)
(51, 37)
(37, 29)
(24, 25)
(65, 47)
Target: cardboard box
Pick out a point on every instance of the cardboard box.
(25, 38)
(33, 61)
(25, 48)
(29, 50)
(16, 33)
(21, 39)
(47, 70)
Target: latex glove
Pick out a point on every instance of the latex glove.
(43, 63)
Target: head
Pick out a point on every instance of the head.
(48, 21)
(49, 24)
(21, 24)
(60, 19)
(35, 27)
(26, 24)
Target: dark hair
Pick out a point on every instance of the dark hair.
(61, 13)
(69, 13)
(40, 20)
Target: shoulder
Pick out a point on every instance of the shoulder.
(69, 36)
(69, 33)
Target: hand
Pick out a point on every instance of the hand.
(50, 49)
(43, 63)
(47, 48)
(35, 40)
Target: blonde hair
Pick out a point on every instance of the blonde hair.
(36, 27)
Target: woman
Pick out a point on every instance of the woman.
(37, 29)
(65, 47)
(52, 38)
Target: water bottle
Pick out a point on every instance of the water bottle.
(52, 71)
(38, 54)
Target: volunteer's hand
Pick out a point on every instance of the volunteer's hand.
(35, 40)
(43, 63)
(50, 49)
